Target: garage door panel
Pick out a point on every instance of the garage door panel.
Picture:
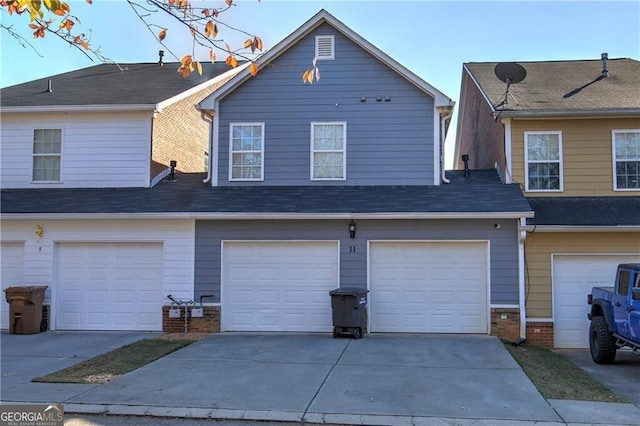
(573, 278)
(109, 286)
(278, 286)
(424, 286)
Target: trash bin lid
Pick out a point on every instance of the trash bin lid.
(348, 291)
(27, 289)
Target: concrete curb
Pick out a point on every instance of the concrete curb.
(629, 410)
(585, 412)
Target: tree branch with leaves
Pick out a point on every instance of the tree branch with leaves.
(204, 24)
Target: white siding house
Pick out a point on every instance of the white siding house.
(95, 150)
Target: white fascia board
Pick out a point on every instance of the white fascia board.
(78, 108)
(559, 114)
(268, 216)
(563, 228)
(91, 216)
(321, 17)
(484, 95)
(199, 87)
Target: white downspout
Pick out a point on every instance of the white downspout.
(522, 236)
(443, 136)
(213, 144)
(507, 148)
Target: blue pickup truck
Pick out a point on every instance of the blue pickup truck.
(615, 315)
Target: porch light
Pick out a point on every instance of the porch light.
(352, 229)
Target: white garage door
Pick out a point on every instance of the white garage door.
(109, 286)
(428, 287)
(573, 278)
(11, 274)
(278, 286)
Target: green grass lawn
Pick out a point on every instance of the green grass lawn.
(558, 378)
(106, 367)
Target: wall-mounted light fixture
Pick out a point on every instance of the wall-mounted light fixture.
(39, 232)
(352, 229)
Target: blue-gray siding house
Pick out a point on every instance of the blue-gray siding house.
(341, 184)
(308, 188)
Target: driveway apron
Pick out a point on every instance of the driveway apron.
(622, 377)
(25, 357)
(464, 376)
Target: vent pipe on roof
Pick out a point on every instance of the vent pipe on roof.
(172, 173)
(49, 89)
(160, 54)
(604, 57)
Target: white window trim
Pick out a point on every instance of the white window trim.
(231, 152)
(333, 48)
(615, 160)
(560, 160)
(33, 154)
(344, 151)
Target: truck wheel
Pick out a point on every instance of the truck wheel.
(601, 342)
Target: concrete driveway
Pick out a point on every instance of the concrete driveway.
(25, 357)
(304, 376)
(622, 377)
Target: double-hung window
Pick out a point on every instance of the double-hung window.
(328, 150)
(47, 153)
(543, 161)
(246, 155)
(626, 159)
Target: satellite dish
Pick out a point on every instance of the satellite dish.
(510, 72)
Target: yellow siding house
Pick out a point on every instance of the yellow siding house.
(569, 133)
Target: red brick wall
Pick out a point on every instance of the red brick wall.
(480, 136)
(209, 323)
(180, 133)
(540, 334)
(505, 323)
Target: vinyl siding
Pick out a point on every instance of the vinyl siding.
(98, 150)
(587, 154)
(353, 252)
(177, 237)
(387, 142)
(539, 247)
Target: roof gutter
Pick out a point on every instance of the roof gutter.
(617, 112)
(567, 228)
(269, 216)
(79, 108)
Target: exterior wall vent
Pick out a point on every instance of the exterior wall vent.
(325, 47)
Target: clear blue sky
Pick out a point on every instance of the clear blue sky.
(431, 38)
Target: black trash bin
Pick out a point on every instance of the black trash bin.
(347, 307)
(25, 309)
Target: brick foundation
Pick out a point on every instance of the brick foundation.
(505, 323)
(209, 323)
(540, 334)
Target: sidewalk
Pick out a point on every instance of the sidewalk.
(310, 378)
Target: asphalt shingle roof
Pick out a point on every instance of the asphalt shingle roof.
(106, 84)
(562, 86)
(585, 211)
(483, 192)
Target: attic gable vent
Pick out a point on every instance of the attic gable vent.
(325, 47)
